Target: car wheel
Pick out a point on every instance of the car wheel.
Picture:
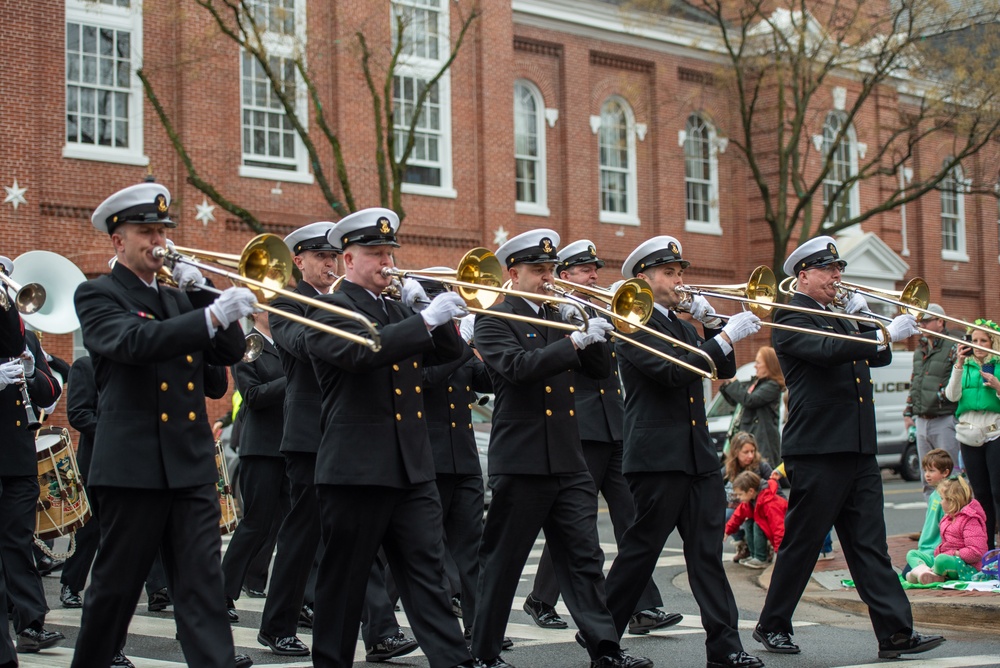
(909, 468)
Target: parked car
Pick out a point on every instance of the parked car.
(897, 446)
(482, 418)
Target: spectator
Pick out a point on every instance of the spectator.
(758, 404)
(743, 456)
(761, 505)
(963, 538)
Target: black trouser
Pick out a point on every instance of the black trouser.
(843, 491)
(135, 525)
(7, 653)
(604, 461)
(565, 508)
(17, 538)
(982, 465)
(462, 503)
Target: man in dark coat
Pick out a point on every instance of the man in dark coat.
(375, 468)
(670, 462)
(153, 472)
(25, 367)
(11, 345)
(600, 414)
(829, 446)
(537, 470)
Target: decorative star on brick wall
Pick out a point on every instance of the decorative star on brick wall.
(205, 214)
(15, 195)
(500, 236)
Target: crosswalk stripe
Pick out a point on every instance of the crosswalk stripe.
(939, 662)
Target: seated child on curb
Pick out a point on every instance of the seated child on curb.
(742, 456)
(937, 466)
(963, 538)
(761, 503)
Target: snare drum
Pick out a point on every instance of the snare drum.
(227, 501)
(62, 501)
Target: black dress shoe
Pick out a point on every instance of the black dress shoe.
(254, 593)
(234, 618)
(543, 614)
(69, 598)
(287, 646)
(390, 647)
(507, 643)
(495, 663)
(905, 643)
(306, 617)
(158, 600)
(778, 642)
(30, 640)
(645, 621)
(737, 660)
(47, 565)
(121, 661)
(620, 659)
(242, 661)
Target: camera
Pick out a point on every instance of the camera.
(967, 337)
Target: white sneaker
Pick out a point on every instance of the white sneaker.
(752, 562)
(825, 556)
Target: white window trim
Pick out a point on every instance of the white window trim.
(961, 253)
(117, 18)
(613, 217)
(282, 46)
(541, 207)
(854, 193)
(426, 68)
(713, 226)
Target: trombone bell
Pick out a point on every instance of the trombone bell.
(632, 302)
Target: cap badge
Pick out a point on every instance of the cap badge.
(546, 245)
(383, 226)
(832, 249)
(593, 251)
(674, 249)
(161, 204)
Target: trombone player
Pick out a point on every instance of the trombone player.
(669, 460)
(829, 446)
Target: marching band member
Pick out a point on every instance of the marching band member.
(374, 467)
(829, 446)
(669, 459)
(600, 414)
(24, 365)
(537, 470)
(153, 471)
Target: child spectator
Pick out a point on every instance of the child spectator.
(742, 456)
(963, 538)
(761, 504)
(938, 466)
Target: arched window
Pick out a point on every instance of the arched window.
(701, 176)
(616, 146)
(529, 149)
(843, 155)
(952, 190)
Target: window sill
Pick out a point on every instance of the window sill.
(954, 256)
(268, 174)
(101, 154)
(531, 209)
(701, 227)
(428, 191)
(618, 218)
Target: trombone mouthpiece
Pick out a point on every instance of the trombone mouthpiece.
(160, 252)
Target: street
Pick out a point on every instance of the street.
(828, 638)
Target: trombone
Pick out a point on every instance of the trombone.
(27, 298)
(757, 295)
(629, 308)
(265, 267)
(479, 272)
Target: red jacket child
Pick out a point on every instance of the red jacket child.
(768, 512)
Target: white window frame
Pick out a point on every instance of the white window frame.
(115, 18)
(540, 206)
(960, 253)
(853, 194)
(631, 216)
(278, 45)
(712, 225)
(414, 66)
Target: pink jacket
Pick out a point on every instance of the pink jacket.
(964, 534)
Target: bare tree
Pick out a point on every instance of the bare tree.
(927, 65)
(247, 23)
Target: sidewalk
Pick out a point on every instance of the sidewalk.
(938, 607)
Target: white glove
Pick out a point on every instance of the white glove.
(856, 304)
(413, 295)
(569, 313)
(11, 372)
(597, 331)
(187, 277)
(903, 326)
(467, 326)
(443, 308)
(28, 362)
(700, 308)
(741, 325)
(232, 304)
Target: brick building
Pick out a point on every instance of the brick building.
(615, 134)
